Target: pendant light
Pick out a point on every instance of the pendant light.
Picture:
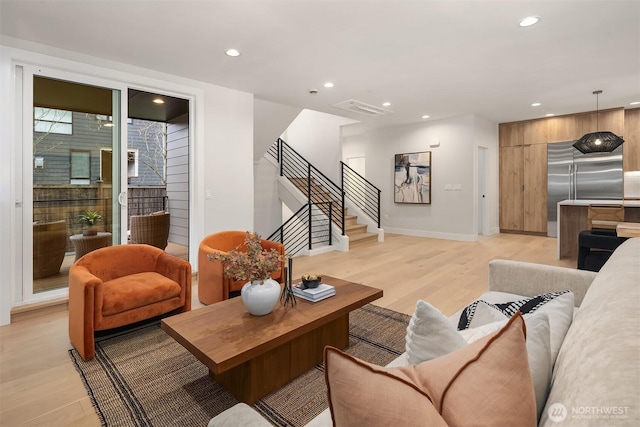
(598, 142)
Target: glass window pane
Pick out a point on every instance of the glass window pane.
(80, 164)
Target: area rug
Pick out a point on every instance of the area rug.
(145, 378)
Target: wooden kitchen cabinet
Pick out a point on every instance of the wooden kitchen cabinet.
(523, 188)
(564, 128)
(523, 160)
(605, 120)
(535, 132)
(631, 145)
(511, 134)
(511, 181)
(535, 188)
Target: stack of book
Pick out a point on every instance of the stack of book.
(314, 294)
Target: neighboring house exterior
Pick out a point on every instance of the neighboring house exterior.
(72, 167)
(73, 148)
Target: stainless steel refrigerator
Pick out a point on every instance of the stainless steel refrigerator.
(573, 175)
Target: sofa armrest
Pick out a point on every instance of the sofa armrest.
(82, 302)
(213, 286)
(178, 270)
(529, 279)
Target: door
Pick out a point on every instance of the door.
(69, 205)
(483, 216)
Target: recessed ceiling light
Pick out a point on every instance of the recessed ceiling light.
(158, 101)
(634, 103)
(549, 115)
(386, 104)
(536, 104)
(529, 21)
(232, 52)
(328, 84)
(425, 117)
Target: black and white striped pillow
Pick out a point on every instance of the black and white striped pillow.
(527, 305)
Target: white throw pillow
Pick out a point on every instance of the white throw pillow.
(430, 335)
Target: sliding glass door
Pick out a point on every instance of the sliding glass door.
(72, 178)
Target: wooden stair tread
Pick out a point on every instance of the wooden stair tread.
(357, 233)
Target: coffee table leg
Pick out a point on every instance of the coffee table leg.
(256, 378)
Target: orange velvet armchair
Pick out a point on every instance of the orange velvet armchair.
(213, 285)
(121, 285)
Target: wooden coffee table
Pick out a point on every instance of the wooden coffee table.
(252, 356)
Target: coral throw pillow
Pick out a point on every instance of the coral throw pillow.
(485, 383)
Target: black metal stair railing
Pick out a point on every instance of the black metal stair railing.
(307, 228)
(316, 186)
(324, 195)
(361, 192)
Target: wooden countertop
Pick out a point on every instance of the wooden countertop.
(587, 202)
(628, 229)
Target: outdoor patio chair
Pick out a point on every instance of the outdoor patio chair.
(150, 229)
(49, 246)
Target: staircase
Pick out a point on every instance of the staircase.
(356, 232)
(325, 199)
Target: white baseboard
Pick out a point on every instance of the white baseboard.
(432, 234)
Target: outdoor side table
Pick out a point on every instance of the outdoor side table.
(85, 244)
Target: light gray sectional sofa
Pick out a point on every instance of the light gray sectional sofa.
(596, 378)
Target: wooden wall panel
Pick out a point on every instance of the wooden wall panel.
(535, 188)
(511, 170)
(511, 134)
(631, 135)
(535, 132)
(609, 120)
(564, 128)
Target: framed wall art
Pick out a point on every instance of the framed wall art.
(412, 178)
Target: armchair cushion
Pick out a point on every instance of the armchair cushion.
(137, 290)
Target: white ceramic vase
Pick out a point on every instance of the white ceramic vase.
(260, 297)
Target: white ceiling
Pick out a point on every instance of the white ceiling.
(442, 58)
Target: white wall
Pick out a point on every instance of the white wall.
(268, 207)
(7, 170)
(316, 137)
(486, 135)
(451, 214)
(220, 115)
(269, 121)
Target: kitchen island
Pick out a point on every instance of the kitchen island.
(572, 219)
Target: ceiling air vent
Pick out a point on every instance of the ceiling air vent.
(362, 108)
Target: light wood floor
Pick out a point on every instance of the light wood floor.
(40, 387)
